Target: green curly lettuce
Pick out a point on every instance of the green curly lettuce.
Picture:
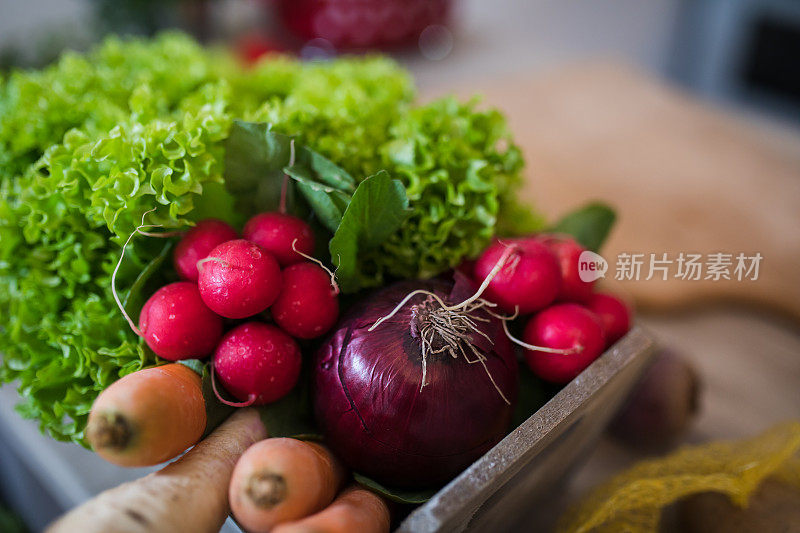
(460, 168)
(92, 143)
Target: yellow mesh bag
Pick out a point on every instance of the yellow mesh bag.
(632, 501)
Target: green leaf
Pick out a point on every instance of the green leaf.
(589, 225)
(378, 208)
(133, 124)
(291, 416)
(313, 166)
(254, 162)
(326, 187)
(195, 364)
(328, 204)
(414, 497)
(257, 161)
(143, 287)
(11, 522)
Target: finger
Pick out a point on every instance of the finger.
(189, 495)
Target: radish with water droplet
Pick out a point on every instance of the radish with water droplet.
(257, 363)
(570, 327)
(529, 280)
(197, 243)
(239, 279)
(308, 304)
(614, 314)
(284, 236)
(176, 324)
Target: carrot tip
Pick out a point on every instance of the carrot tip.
(109, 431)
(266, 489)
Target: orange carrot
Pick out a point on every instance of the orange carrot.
(189, 495)
(279, 480)
(148, 417)
(356, 509)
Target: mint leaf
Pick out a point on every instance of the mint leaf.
(324, 185)
(257, 161)
(378, 209)
(589, 225)
(254, 161)
(311, 165)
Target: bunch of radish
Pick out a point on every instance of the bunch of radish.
(568, 324)
(239, 279)
(219, 309)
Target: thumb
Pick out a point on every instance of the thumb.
(189, 495)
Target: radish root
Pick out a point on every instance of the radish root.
(448, 328)
(250, 399)
(205, 260)
(334, 285)
(524, 344)
(138, 230)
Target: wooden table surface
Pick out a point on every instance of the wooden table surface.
(683, 177)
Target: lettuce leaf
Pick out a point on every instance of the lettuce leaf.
(87, 146)
(460, 169)
(91, 143)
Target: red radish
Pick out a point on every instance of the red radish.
(239, 279)
(565, 326)
(176, 324)
(308, 305)
(276, 233)
(614, 314)
(257, 363)
(530, 279)
(567, 251)
(197, 243)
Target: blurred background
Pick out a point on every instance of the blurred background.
(741, 52)
(684, 114)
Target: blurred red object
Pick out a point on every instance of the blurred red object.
(362, 24)
(252, 46)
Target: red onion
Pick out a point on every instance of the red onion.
(371, 404)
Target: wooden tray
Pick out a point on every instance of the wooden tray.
(533, 458)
